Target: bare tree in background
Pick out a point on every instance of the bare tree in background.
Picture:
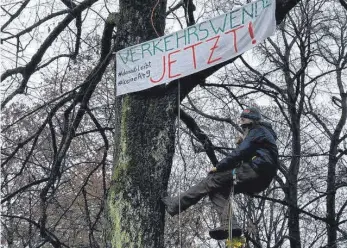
(55, 154)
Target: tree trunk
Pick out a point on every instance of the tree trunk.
(144, 141)
(331, 197)
(143, 158)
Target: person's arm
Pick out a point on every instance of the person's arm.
(244, 151)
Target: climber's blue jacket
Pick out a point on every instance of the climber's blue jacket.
(258, 148)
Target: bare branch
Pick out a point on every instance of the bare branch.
(41, 21)
(285, 203)
(15, 15)
(200, 135)
(176, 7)
(51, 238)
(343, 3)
(216, 118)
(30, 68)
(11, 195)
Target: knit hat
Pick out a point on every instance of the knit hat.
(251, 113)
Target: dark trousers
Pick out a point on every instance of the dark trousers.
(218, 187)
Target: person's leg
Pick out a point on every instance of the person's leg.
(245, 176)
(247, 180)
(221, 201)
(214, 182)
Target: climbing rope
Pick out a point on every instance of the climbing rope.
(231, 198)
(179, 147)
(240, 241)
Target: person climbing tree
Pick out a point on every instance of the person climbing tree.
(255, 161)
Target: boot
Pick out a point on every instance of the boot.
(170, 205)
(222, 232)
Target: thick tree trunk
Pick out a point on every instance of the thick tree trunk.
(144, 141)
(143, 158)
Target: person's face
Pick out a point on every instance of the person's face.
(245, 121)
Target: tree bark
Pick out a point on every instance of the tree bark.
(144, 141)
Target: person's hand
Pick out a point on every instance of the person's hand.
(213, 170)
(238, 140)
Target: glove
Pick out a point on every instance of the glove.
(213, 170)
(238, 140)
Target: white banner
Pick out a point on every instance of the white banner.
(195, 48)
